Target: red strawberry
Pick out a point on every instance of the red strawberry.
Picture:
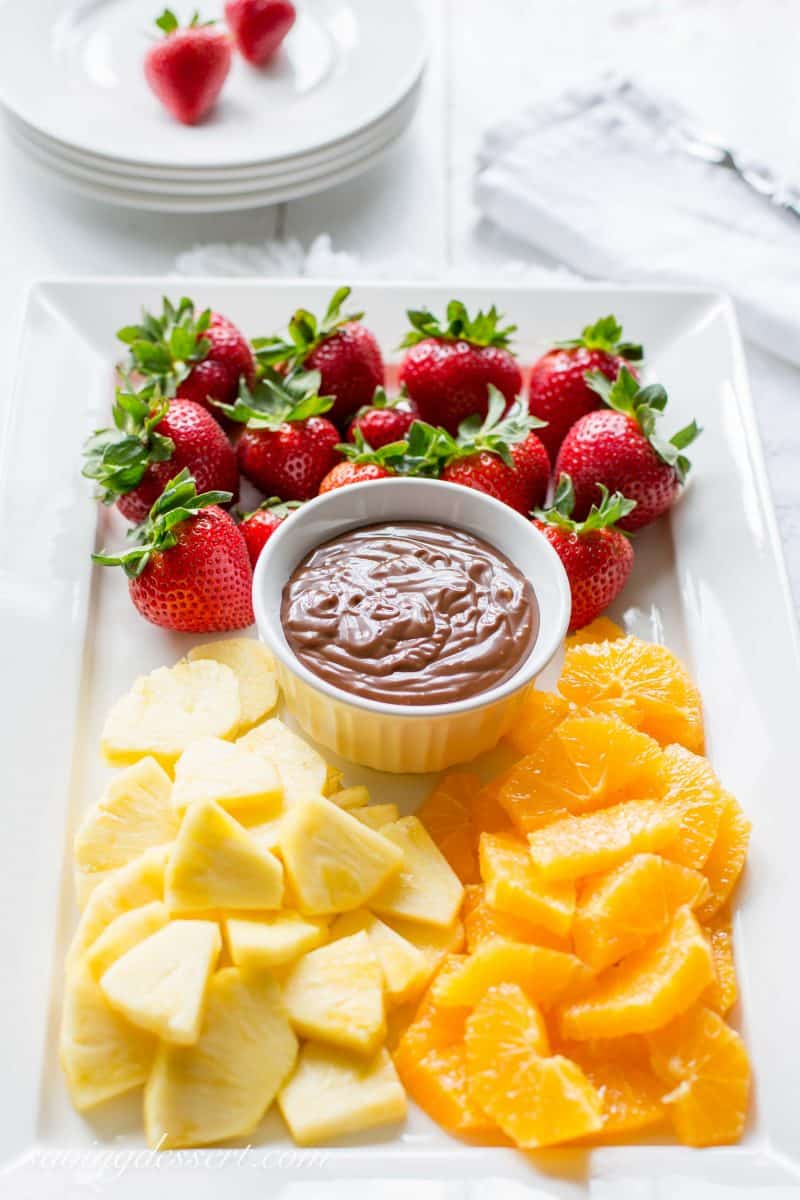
(287, 447)
(557, 390)
(364, 462)
(259, 26)
(258, 527)
(345, 473)
(449, 366)
(383, 421)
(502, 456)
(153, 439)
(188, 67)
(620, 448)
(200, 358)
(596, 556)
(190, 571)
(344, 352)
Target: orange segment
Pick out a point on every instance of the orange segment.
(601, 629)
(724, 864)
(665, 701)
(586, 845)
(544, 974)
(536, 1100)
(630, 1091)
(438, 1084)
(513, 886)
(648, 989)
(723, 992)
(482, 923)
(447, 816)
(695, 788)
(706, 1064)
(487, 814)
(539, 714)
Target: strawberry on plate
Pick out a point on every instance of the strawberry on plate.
(596, 555)
(190, 571)
(287, 446)
(187, 68)
(383, 420)
(363, 462)
(343, 350)
(257, 527)
(450, 364)
(152, 440)
(620, 447)
(200, 357)
(259, 27)
(557, 390)
(501, 455)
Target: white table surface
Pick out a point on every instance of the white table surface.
(731, 61)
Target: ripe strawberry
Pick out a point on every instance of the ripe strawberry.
(449, 366)
(383, 420)
(200, 358)
(287, 447)
(153, 439)
(500, 456)
(259, 26)
(364, 462)
(557, 390)
(619, 447)
(596, 556)
(345, 473)
(190, 571)
(258, 527)
(188, 67)
(344, 352)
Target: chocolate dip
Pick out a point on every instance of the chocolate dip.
(410, 613)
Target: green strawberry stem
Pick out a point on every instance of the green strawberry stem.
(645, 405)
(274, 504)
(604, 515)
(483, 329)
(305, 333)
(605, 335)
(496, 433)
(168, 23)
(118, 458)
(178, 502)
(277, 398)
(165, 348)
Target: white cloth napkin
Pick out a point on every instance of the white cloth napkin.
(600, 180)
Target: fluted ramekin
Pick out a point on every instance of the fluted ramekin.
(401, 737)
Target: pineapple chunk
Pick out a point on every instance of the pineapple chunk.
(427, 889)
(101, 1054)
(222, 1086)
(350, 798)
(139, 883)
(216, 864)
(215, 770)
(123, 934)
(377, 815)
(266, 834)
(333, 862)
(254, 669)
(331, 1094)
(335, 994)
(302, 770)
(434, 943)
(270, 940)
(167, 710)
(333, 781)
(133, 815)
(160, 984)
(405, 968)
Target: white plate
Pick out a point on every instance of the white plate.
(74, 72)
(709, 581)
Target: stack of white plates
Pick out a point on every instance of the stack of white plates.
(342, 89)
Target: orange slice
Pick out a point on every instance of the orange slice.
(438, 1084)
(601, 629)
(447, 814)
(723, 992)
(482, 923)
(513, 886)
(545, 975)
(630, 1091)
(586, 845)
(694, 787)
(539, 714)
(724, 864)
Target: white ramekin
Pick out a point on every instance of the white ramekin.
(402, 737)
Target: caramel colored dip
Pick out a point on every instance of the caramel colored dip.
(410, 613)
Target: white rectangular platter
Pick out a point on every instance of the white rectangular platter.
(709, 582)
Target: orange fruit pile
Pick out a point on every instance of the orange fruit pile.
(590, 1003)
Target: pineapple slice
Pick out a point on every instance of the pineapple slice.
(123, 934)
(139, 883)
(350, 798)
(302, 771)
(222, 1086)
(160, 984)
(333, 782)
(253, 666)
(377, 815)
(167, 710)
(434, 943)
(216, 864)
(331, 1094)
(101, 1054)
(427, 889)
(215, 770)
(134, 814)
(270, 940)
(335, 994)
(405, 968)
(332, 861)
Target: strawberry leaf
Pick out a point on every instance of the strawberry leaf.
(646, 405)
(606, 335)
(168, 22)
(274, 505)
(117, 459)
(305, 333)
(605, 515)
(277, 399)
(165, 348)
(484, 329)
(497, 432)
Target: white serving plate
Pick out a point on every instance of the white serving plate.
(709, 581)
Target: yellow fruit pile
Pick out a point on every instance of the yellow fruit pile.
(246, 922)
(590, 1003)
